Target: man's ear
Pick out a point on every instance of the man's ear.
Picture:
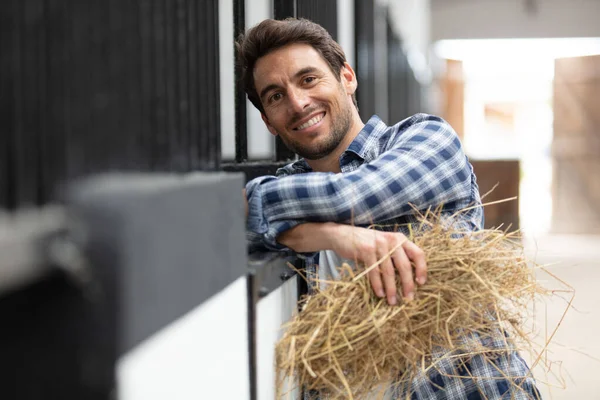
(269, 127)
(348, 79)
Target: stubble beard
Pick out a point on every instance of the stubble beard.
(339, 129)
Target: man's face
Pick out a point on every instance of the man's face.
(304, 103)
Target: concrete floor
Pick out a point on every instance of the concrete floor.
(574, 351)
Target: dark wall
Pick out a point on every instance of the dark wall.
(90, 86)
(364, 15)
(323, 12)
(97, 85)
(403, 90)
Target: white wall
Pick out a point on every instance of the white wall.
(260, 141)
(411, 20)
(202, 355)
(226, 63)
(345, 32)
(271, 312)
(462, 19)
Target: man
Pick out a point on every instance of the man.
(352, 175)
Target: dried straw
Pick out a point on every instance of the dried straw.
(346, 342)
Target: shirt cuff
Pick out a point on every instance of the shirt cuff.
(257, 225)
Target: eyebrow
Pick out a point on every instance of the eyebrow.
(303, 71)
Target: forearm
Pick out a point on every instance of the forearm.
(309, 237)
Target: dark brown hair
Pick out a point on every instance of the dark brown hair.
(271, 35)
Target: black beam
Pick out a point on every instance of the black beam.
(322, 12)
(364, 15)
(97, 86)
(283, 9)
(241, 125)
(210, 99)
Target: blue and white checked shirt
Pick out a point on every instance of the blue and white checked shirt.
(418, 161)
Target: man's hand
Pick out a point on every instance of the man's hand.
(366, 246)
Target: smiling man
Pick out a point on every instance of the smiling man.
(354, 174)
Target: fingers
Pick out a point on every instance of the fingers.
(375, 247)
(388, 275)
(369, 259)
(417, 256)
(402, 264)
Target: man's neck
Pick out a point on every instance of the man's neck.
(331, 162)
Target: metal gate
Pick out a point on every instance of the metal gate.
(131, 88)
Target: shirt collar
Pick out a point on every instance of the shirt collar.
(367, 136)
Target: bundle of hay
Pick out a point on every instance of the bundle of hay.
(346, 342)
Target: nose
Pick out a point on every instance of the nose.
(298, 99)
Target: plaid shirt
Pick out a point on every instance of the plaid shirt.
(418, 161)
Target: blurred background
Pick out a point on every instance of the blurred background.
(94, 86)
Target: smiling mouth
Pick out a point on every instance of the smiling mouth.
(311, 122)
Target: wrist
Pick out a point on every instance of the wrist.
(311, 236)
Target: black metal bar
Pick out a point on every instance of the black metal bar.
(283, 9)
(182, 158)
(364, 15)
(302, 283)
(398, 90)
(171, 81)
(282, 153)
(241, 128)
(194, 95)
(270, 270)
(322, 12)
(252, 299)
(27, 103)
(404, 98)
(7, 104)
(210, 101)
(147, 86)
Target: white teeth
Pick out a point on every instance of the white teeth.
(310, 122)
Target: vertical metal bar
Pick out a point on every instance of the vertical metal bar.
(205, 110)
(322, 12)
(283, 9)
(147, 84)
(282, 153)
(27, 105)
(364, 15)
(171, 82)
(252, 298)
(398, 71)
(241, 128)
(212, 129)
(194, 94)
(161, 139)
(183, 106)
(8, 42)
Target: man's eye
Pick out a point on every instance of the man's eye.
(275, 97)
(309, 79)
